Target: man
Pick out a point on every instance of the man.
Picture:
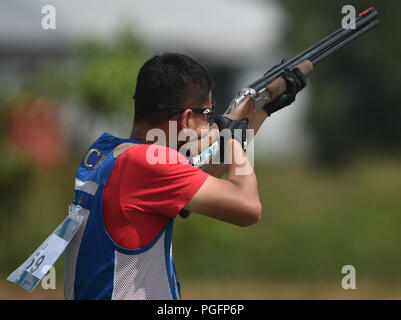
(123, 249)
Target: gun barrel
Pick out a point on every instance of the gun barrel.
(323, 55)
(321, 50)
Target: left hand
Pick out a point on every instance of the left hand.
(295, 81)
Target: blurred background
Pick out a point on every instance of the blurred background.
(328, 167)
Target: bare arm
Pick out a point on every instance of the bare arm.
(235, 199)
(256, 120)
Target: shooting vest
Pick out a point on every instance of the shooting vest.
(98, 268)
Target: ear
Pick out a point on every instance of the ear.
(184, 119)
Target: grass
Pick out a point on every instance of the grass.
(240, 289)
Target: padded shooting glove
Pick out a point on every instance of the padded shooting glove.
(295, 81)
(235, 129)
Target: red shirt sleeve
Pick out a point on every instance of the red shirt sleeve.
(161, 188)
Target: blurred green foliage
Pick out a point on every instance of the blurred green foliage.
(43, 201)
(355, 93)
(109, 74)
(14, 168)
(314, 222)
(100, 76)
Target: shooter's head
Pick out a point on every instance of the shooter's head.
(173, 87)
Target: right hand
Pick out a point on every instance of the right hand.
(236, 128)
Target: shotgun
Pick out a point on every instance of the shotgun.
(250, 100)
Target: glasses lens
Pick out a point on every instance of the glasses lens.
(211, 114)
(208, 114)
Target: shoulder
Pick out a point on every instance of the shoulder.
(152, 154)
(160, 160)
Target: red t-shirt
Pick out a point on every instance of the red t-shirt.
(140, 197)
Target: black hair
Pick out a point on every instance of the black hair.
(171, 79)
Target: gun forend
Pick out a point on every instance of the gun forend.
(249, 100)
(278, 86)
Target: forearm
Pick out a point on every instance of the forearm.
(256, 120)
(235, 199)
(245, 207)
(240, 171)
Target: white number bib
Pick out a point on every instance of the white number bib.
(30, 273)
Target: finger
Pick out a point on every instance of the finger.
(301, 78)
(298, 83)
(290, 80)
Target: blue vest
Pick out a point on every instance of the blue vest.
(98, 268)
